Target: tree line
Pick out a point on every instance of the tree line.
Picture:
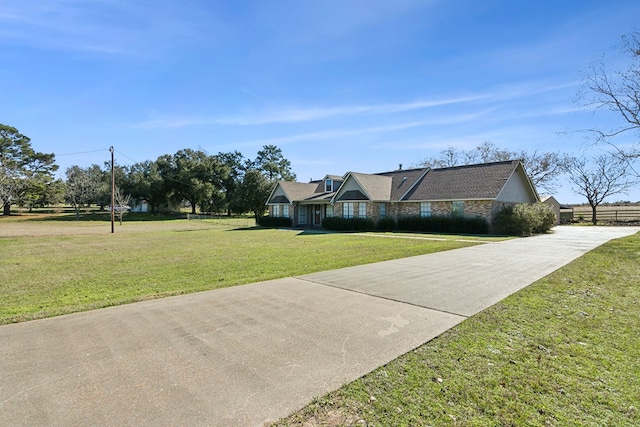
(223, 182)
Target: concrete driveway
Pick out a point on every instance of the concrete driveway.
(246, 355)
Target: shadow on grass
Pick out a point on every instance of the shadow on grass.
(104, 217)
(299, 231)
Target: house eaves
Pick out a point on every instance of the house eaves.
(480, 182)
(519, 169)
(375, 188)
(292, 191)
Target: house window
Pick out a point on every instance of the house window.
(329, 211)
(362, 210)
(285, 211)
(276, 210)
(328, 185)
(457, 208)
(347, 210)
(383, 210)
(425, 209)
(302, 215)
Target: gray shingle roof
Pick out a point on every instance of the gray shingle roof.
(297, 191)
(481, 181)
(377, 187)
(402, 180)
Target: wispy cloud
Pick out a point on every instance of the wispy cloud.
(342, 133)
(296, 115)
(105, 27)
(283, 114)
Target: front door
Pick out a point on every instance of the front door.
(317, 209)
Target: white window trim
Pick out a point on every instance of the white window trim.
(347, 210)
(362, 210)
(328, 185)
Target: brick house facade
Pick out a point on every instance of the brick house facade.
(479, 190)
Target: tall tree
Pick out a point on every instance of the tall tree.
(21, 167)
(272, 163)
(41, 193)
(543, 168)
(617, 90)
(604, 176)
(253, 192)
(195, 177)
(237, 166)
(83, 186)
(145, 181)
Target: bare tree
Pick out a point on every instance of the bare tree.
(543, 168)
(81, 187)
(604, 176)
(121, 203)
(617, 91)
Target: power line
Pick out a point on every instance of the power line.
(124, 155)
(82, 152)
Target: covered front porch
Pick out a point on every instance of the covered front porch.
(312, 214)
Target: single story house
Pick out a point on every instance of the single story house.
(140, 206)
(470, 190)
(553, 204)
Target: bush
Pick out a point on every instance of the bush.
(545, 218)
(348, 224)
(273, 221)
(524, 219)
(444, 224)
(386, 224)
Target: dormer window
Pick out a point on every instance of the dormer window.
(328, 185)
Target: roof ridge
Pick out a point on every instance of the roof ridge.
(501, 162)
(401, 170)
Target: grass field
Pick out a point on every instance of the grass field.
(56, 265)
(563, 352)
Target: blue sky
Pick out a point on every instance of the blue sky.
(338, 85)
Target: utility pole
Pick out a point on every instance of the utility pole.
(113, 190)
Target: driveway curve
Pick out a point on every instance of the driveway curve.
(250, 354)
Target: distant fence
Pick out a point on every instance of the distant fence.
(609, 214)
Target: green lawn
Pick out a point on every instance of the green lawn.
(563, 352)
(51, 266)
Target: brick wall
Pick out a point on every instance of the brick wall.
(483, 208)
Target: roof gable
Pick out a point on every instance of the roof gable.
(289, 192)
(361, 186)
(483, 181)
(518, 188)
